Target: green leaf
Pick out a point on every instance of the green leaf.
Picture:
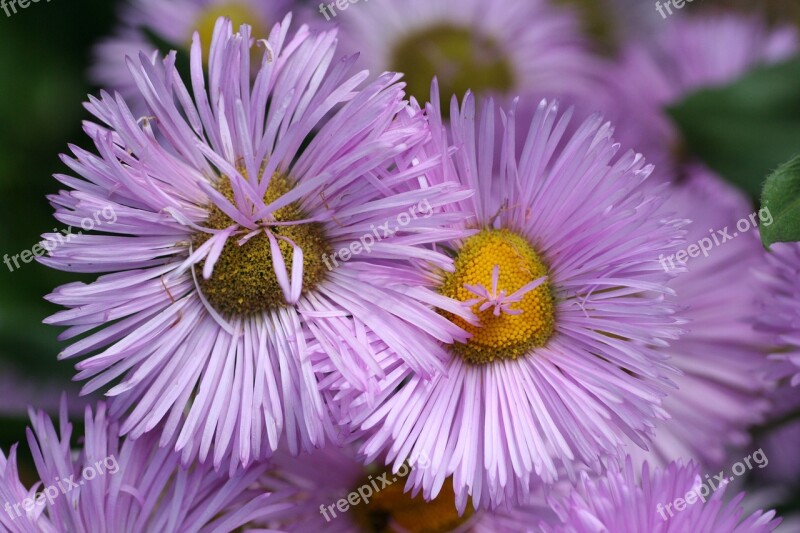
(746, 129)
(782, 200)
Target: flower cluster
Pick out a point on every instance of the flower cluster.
(505, 359)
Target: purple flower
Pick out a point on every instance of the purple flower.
(780, 320)
(373, 499)
(577, 374)
(619, 503)
(781, 311)
(690, 53)
(146, 26)
(22, 390)
(261, 229)
(122, 485)
(779, 438)
(502, 47)
(720, 354)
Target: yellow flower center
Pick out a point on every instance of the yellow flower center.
(460, 58)
(597, 22)
(392, 509)
(239, 13)
(244, 281)
(526, 322)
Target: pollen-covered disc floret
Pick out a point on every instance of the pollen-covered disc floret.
(244, 279)
(461, 58)
(393, 508)
(500, 274)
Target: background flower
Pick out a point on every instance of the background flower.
(606, 504)
(779, 313)
(153, 26)
(722, 389)
(507, 49)
(122, 485)
(381, 502)
(781, 310)
(685, 55)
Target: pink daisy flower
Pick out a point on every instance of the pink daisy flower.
(720, 354)
(689, 54)
(562, 368)
(351, 497)
(156, 26)
(781, 310)
(780, 320)
(619, 503)
(778, 437)
(505, 48)
(232, 269)
(112, 485)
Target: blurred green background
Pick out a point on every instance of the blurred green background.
(44, 53)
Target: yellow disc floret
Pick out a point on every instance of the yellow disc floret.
(392, 508)
(244, 280)
(239, 13)
(508, 261)
(461, 59)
